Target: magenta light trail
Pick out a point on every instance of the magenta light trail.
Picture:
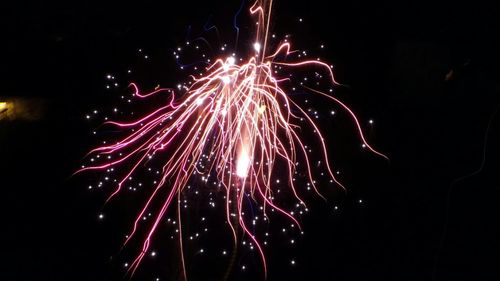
(237, 122)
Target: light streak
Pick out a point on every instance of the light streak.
(236, 122)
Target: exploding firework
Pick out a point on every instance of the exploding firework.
(235, 123)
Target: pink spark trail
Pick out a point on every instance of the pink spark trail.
(236, 122)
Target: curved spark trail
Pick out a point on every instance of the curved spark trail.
(235, 122)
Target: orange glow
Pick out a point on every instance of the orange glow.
(243, 163)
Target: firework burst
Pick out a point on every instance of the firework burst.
(236, 123)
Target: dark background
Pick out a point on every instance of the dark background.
(420, 220)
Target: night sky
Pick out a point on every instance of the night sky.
(426, 73)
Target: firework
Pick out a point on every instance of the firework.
(236, 123)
